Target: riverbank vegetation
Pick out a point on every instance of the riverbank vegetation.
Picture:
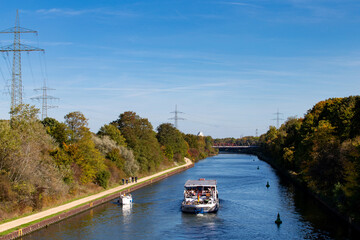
(322, 150)
(45, 163)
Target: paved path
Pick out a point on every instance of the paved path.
(36, 216)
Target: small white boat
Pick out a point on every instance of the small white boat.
(125, 199)
(200, 196)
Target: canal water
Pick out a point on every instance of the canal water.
(247, 209)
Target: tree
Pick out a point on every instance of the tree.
(199, 147)
(324, 168)
(141, 138)
(78, 156)
(324, 149)
(350, 156)
(113, 132)
(57, 130)
(192, 140)
(25, 158)
(77, 124)
(120, 155)
(173, 141)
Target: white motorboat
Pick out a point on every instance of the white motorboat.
(125, 199)
(200, 196)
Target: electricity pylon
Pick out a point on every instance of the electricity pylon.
(176, 117)
(44, 98)
(17, 47)
(278, 118)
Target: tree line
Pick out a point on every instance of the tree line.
(47, 162)
(322, 149)
(242, 141)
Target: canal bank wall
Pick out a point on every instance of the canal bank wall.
(298, 183)
(61, 216)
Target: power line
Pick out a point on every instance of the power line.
(17, 47)
(176, 117)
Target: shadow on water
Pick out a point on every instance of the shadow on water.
(321, 219)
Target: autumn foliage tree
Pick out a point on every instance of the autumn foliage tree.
(199, 147)
(323, 150)
(28, 175)
(84, 162)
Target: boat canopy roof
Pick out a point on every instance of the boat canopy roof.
(204, 183)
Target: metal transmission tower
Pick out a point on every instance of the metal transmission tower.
(278, 118)
(17, 47)
(44, 98)
(176, 117)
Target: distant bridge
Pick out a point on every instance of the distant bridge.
(239, 149)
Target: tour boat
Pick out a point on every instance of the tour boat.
(125, 199)
(200, 196)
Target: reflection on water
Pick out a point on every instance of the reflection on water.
(126, 212)
(247, 209)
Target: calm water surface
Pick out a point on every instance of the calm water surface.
(247, 209)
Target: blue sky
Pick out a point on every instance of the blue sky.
(228, 65)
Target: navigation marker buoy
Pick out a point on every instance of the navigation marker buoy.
(278, 220)
(267, 184)
(258, 168)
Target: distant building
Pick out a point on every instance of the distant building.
(200, 134)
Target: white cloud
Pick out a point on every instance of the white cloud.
(239, 4)
(74, 12)
(134, 92)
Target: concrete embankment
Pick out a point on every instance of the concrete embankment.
(62, 212)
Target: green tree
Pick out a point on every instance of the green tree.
(140, 137)
(192, 140)
(173, 141)
(57, 130)
(113, 132)
(324, 169)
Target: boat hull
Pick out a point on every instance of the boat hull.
(125, 201)
(200, 208)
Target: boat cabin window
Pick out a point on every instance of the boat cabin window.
(199, 190)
